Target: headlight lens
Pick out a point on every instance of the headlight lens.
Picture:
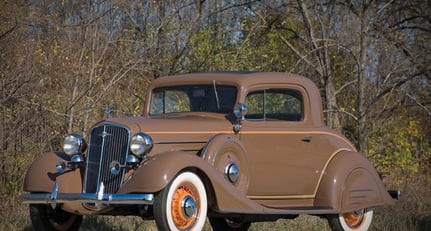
(141, 144)
(73, 144)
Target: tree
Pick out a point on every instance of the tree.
(62, 63)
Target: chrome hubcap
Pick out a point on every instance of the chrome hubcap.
(232, 172)
(189, 206)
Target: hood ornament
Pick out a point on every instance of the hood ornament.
(109, 112)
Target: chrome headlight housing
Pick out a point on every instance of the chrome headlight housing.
(74, 144)
(141, 144)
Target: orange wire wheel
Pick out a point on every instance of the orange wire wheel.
(359, 220)
(183, 208)
(44, 217)
(182, 205)
(354, 219)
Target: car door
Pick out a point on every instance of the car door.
(280, 140)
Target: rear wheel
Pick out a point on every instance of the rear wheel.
(45, 218)
(182, 205)
(359, 220)
(228, 224)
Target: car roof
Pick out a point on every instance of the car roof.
(239, 78)
(246, 81)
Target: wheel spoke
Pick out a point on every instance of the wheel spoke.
(182, 205)
(181, 215)
(354, 219)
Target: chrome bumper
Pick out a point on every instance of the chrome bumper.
(395, 194)
(98, 198)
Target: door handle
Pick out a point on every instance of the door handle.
(307, 139)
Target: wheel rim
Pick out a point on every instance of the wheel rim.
(184, 209)
(354, 219)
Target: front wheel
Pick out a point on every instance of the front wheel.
(359, 220)
(182, 205)
(45, 218)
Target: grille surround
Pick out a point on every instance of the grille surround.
(109, 144)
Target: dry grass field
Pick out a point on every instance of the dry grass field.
(411, 212)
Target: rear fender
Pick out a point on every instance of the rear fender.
(349, 183)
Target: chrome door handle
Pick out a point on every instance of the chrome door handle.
(307, 139)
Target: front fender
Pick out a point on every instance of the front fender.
(349, 183)
(42, 174)
(156, 173)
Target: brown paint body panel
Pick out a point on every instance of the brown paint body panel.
(148, 179)
(286, 167)
(42, 174)
(350, 182)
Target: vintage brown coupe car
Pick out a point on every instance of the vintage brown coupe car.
(234, 147)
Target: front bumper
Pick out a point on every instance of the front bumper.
(395, 194)
(97, 198)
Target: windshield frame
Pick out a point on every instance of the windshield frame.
(197, 98)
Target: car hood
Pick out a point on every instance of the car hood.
(181, 127)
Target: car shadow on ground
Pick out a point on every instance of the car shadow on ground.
(89, 223)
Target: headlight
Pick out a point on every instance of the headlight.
(73, 144)
(141, 144)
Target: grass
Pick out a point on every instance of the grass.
(384, 219)
(111, 223)
(411, 212)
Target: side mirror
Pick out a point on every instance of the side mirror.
(240, 110)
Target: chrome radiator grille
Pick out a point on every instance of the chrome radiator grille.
(109, 143)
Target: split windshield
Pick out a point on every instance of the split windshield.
(193, 98)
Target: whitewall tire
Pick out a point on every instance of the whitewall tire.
(359, 220)
(182, 205)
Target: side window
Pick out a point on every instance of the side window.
(255, 102)
(275, 104)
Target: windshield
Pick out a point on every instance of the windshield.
(193, 98)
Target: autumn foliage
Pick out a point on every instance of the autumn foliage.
(62, 63)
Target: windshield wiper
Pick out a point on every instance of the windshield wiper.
(216, 95)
